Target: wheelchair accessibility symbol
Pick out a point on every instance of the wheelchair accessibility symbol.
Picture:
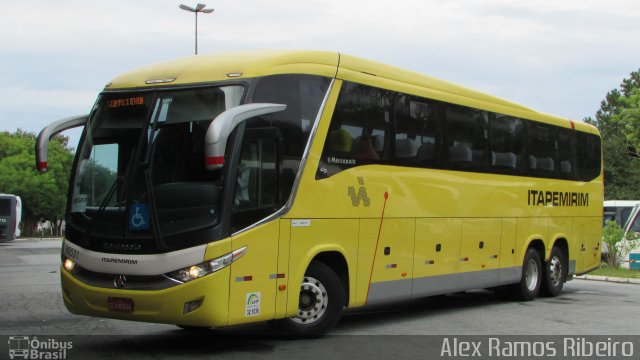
(139, 217)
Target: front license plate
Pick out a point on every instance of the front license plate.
(120, 304)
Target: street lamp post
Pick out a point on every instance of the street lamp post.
(200, 8)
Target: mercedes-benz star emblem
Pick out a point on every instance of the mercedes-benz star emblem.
(120, 281)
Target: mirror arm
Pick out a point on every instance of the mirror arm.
(42, 142)
(215, 141)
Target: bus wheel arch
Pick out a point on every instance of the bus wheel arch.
(337, 262)
(555, 269)
(320, 304)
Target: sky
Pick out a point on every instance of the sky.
(555, 56)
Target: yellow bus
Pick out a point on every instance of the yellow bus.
(289, 186)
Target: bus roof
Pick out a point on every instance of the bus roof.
(255, 63)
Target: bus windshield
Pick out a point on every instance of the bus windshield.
(140, 170)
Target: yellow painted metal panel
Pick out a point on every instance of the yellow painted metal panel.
(480, 245)
(508, 244)
(528, 230)
(215, 67)
(283, 268)
(253, 285)
(394, 254)
(587, 232)
(437, 247)
(217, 249)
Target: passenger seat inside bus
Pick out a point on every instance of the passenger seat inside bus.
(460, 153)
(503, 159)
(406, 151)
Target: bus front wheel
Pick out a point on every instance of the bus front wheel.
(529, 286)
(320, 304)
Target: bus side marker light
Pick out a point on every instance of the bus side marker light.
(282, 287)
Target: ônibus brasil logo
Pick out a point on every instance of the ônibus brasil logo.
(25, 347)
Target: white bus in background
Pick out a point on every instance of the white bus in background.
(631, 228)
(618, 210)
(10, 217)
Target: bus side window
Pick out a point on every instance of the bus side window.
(416, 132)
(257, 181)
(635, 225)
(541, 159)
(507, 147)
(467, 138)
(359, 130)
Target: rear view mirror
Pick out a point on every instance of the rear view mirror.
(42, 143)
(215, 141)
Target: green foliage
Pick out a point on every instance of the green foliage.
(43, 195)
(612, 234)
(619, 122)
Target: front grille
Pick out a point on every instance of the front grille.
(133, 282)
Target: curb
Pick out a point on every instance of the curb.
(609, 279)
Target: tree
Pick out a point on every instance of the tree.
(619, 122)
(43, 195)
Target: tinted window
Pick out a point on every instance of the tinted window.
(541, 149)
(5, 207)
(257, 183)
(359, 129)
(507, 145)
(467, 133)
(588, 156)
(371, 125)
(416, 132)
(303, 95)
(566, 154)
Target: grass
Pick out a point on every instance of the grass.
(605, 270)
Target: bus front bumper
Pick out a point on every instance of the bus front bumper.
(175, 305)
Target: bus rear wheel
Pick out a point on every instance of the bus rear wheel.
(555, 273)
(529, 286)
(320, 304)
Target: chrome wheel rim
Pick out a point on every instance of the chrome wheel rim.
(555, 271)
(313, 301)
(531, 274)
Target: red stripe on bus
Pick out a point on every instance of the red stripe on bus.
(214, 160)
(384, 206)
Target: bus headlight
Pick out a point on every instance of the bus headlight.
(208, 267)
(69, 265)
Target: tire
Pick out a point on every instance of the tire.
(554, 273)
(529, 286)
(322, 298)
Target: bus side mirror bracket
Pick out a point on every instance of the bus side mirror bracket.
(42, 143)
(215, 141)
